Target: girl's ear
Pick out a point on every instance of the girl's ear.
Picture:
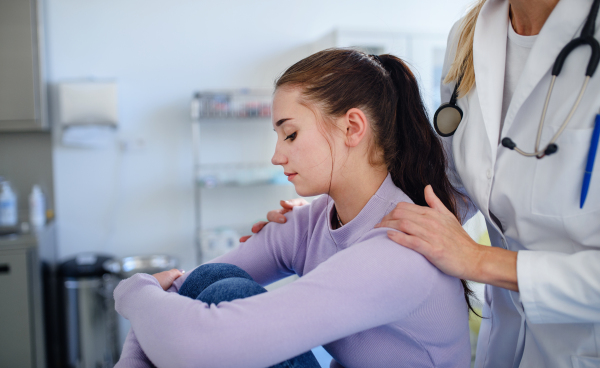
(356, 126)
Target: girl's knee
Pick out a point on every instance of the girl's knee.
(205, 275)
(230, 289)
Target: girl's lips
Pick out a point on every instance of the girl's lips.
(291, 176)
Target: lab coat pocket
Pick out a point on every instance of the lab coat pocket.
(558, 178)
(585, 362)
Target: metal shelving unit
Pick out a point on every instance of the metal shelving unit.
(232, 111)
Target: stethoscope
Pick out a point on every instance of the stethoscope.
(448, 116)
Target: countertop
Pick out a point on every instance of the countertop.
(18, 241)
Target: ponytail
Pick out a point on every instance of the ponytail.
(419, 157)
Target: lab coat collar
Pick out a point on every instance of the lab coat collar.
(563, 24)
(489, 57)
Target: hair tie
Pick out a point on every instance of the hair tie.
(377, 58)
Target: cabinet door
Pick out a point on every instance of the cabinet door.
(20, 90)
(15, 325)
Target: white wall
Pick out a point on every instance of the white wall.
(160, 52)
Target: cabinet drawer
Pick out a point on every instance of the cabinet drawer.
(15, 310)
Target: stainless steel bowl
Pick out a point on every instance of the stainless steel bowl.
(129, 266)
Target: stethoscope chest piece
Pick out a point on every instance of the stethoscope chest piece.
(448, 116)
(447, 119)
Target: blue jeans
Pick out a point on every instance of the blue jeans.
(219, 282)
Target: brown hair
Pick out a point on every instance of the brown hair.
(384, 88)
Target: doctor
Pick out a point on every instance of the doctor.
(542, 299)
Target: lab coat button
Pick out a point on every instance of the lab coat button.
(489, 173)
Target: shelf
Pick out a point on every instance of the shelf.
(232, 104)
(233, 119)
(232, 149)
(235, 184)
(239, 175)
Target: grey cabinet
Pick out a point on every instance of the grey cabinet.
(21, 332)
(22, 93)
(15, 337)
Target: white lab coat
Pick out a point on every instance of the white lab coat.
(554, 321)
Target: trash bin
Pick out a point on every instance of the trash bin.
(89, 320)
(129, 266)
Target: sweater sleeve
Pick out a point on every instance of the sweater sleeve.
(370, 284)
(132, 355)
(269, 255)
(266, 256)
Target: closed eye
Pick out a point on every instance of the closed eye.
(291, 137)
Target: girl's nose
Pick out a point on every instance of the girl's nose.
(278, 158)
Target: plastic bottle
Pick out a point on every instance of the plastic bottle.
(37, 208)
(196, 107)
(8, 205)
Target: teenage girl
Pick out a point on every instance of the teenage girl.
(352, 127)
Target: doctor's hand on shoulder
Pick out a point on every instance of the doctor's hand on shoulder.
(438, 235)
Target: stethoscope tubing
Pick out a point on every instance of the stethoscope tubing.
(586, 38)
(541, 153)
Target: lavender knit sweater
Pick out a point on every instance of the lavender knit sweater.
(369, 301)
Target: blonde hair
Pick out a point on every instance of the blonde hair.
(462, 66)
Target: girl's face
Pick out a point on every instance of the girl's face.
(302, 149)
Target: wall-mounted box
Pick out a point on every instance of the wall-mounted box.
(88, 113)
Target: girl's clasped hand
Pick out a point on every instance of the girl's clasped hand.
(166, 278)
